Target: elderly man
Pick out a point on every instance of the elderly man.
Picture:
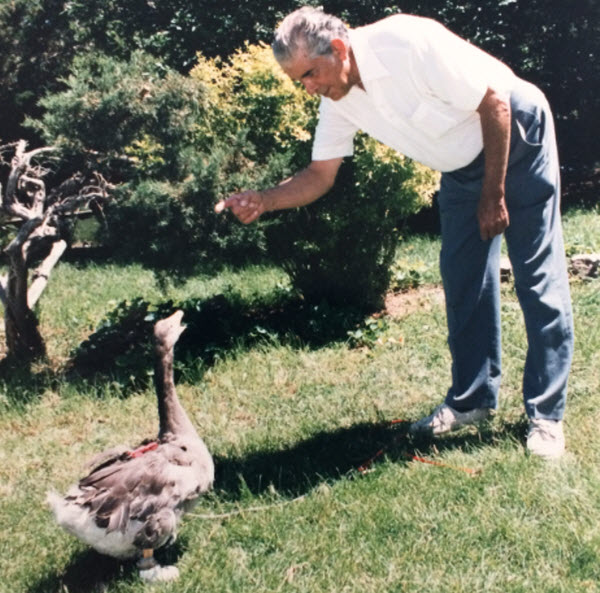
(418, 88)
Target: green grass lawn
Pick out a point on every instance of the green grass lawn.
(289, 424)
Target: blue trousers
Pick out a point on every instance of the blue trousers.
(470, 269)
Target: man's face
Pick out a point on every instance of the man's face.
(327, 76)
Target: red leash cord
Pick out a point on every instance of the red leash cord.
(362, 469)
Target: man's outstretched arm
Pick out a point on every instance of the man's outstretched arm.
(303, 188)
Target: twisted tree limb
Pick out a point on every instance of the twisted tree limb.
(20, 165)
(42, 274)
(39, 235)
(23, 338)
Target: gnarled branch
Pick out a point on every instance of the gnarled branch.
(20, 167)
(40, 235)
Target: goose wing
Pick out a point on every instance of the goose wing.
(137, 488)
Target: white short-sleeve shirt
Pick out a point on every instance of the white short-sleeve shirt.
(423, 85)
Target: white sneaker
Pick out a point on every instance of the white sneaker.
(545, 438)
(445, 419)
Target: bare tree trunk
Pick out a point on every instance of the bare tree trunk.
(42, 274)
(39, 234)
(23, 337)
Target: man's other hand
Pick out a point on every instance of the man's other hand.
(492, 216)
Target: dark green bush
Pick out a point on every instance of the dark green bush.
(172, 226)
(149, 129)
(132, 117)
(179, 144)
(340, 248)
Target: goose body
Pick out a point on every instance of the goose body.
(132, 500)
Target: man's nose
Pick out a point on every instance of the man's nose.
(310, 86)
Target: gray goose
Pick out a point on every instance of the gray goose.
(131, 501)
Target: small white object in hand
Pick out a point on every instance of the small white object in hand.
(219, 207)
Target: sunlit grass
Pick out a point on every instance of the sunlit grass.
(289, 426)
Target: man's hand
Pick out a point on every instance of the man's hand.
(492, 214)
(303, 188)
(246, 206)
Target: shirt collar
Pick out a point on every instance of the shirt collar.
(369, 65)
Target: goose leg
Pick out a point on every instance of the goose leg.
(151, 571)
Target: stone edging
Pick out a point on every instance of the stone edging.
(582, 265)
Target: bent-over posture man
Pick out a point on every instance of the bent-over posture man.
(420, 89)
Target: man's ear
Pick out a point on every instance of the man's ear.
(339, 48)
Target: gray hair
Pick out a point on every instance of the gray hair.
(310, 29)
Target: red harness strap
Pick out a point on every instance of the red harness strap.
(143, 449)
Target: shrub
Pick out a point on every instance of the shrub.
(149, 128)
(250, 92)
(181, 143)
(339, 249)
(133, 116)
(171, 225)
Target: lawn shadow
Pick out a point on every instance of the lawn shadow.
(88, 572)
(120, 351)
(24, 381)
(293, 471)
(326, 456)
(91, 572)
(121, 347)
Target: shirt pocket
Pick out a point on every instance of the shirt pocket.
(432, 122)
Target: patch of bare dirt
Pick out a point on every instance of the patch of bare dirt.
(398, 304)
